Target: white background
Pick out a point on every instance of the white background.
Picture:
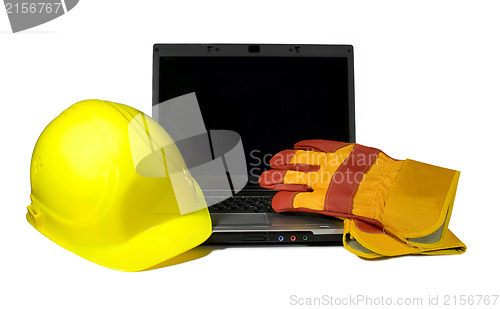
(427, 88)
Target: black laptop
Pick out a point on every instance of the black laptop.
(273, 96)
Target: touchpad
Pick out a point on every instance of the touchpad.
(239, 219)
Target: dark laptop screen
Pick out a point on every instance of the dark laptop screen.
(272, 102)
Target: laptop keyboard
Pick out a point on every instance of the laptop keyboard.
(241, 204)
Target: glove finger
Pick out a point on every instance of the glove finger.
(299, 202)
(320, 145)
(278, 180)
(283, 200)
(284, 160)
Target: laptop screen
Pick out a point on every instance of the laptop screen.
(272, 102)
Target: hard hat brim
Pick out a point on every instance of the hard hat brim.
(174, 236)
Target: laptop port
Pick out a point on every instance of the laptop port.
(253, 48)
(254, 238)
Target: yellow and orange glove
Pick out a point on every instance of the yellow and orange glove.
(391, 207)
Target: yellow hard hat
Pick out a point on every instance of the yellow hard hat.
(109, 184)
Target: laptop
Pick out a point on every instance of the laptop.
(273, 96)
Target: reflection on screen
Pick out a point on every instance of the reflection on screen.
(271, 102)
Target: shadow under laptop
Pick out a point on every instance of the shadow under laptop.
(187, 256)
(205, 249)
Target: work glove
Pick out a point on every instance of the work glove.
(391, 207)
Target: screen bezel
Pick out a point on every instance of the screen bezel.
(258, 50)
